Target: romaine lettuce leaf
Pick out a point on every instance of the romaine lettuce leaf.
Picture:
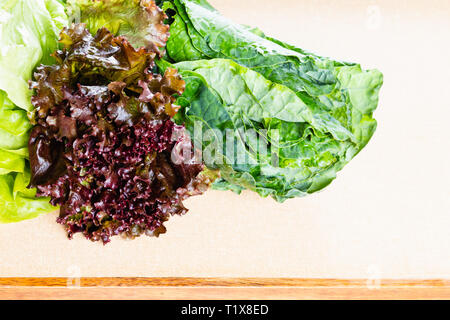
(29, 31)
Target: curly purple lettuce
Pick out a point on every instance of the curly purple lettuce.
(104, 146)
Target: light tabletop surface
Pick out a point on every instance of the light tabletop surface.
(386, 216)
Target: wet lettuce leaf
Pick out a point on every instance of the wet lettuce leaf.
(239, 78)
(28, 35)
(140, 21)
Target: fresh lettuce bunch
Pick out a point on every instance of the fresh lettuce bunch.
(313, 113)
(28, 35)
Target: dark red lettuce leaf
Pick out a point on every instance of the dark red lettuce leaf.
(47, 162)
(104, 146)
(93, 61)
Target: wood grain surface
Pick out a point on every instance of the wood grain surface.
(220, 288)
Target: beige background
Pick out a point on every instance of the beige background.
(387, 214)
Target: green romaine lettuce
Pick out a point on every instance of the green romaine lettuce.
(29, 32)
(321, 108)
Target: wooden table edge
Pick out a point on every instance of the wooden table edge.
(221, 288)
